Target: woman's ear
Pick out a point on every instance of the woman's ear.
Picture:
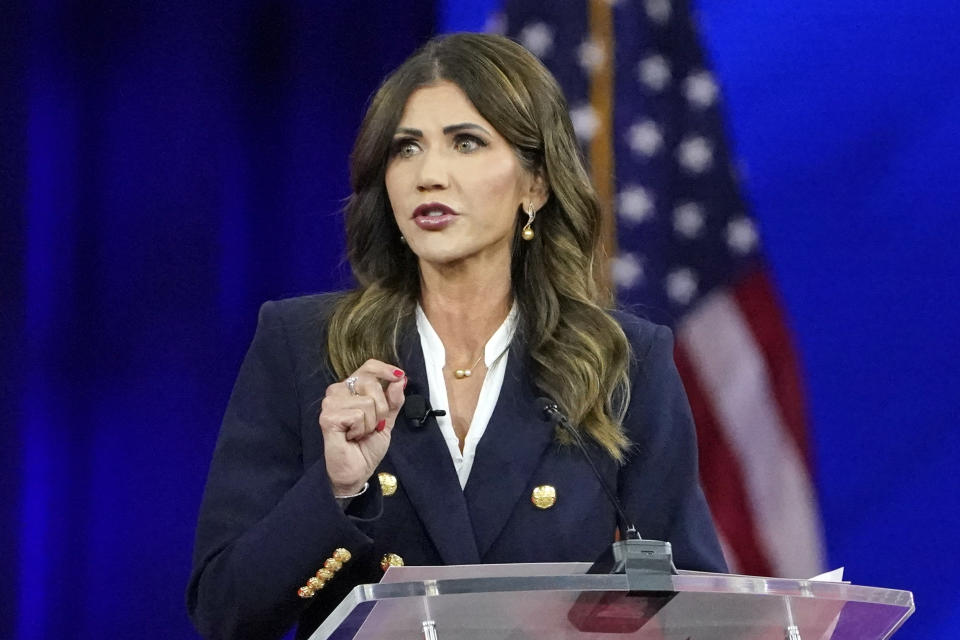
(539, 191)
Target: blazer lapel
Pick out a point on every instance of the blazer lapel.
(425, 470)
(508, 453)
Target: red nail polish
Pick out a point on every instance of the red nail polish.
(381, 425)
(397, 373)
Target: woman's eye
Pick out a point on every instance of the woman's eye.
(468, 144)
(405, 148)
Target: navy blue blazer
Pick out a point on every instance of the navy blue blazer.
(269, 519)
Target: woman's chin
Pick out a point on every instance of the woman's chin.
(443, 259)
(437, 248)
(451, 252)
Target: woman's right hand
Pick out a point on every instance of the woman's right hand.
(356, 427)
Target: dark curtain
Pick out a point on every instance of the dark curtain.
(164, 169)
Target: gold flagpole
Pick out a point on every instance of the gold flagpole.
(601, 145)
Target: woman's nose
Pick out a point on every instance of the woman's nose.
(433, 173)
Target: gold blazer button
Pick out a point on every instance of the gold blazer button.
(324, 574)
(391, 560)
(388, 483)
(332, 564)
(306, 592)
(544, 496)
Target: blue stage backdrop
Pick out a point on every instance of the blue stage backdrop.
(166, 167)
(846, 123)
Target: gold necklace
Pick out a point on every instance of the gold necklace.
(460, 374)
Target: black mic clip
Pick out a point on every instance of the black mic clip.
(417, 410)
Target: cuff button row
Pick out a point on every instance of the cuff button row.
(330, 566)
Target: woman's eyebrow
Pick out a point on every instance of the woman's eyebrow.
(447, 130)
(454, 128)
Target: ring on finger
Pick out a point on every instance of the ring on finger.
(351, 383)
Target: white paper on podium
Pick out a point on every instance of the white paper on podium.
(835, 575)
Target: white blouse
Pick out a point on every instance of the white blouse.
(495, 358)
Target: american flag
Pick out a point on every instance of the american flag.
(686, 252)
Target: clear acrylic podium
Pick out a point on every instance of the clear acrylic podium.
(562, 601)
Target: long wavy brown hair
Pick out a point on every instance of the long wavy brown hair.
(579, 354)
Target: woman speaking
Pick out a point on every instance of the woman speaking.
(473, 234)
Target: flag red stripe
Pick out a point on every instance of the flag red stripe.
(722, 477)
(758, 300)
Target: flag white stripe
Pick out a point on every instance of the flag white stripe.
(736, 381)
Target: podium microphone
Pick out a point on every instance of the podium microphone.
(648, 564)
(552, 413)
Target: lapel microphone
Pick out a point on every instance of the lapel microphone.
(417, 410)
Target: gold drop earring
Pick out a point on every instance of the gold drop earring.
(527, 233)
